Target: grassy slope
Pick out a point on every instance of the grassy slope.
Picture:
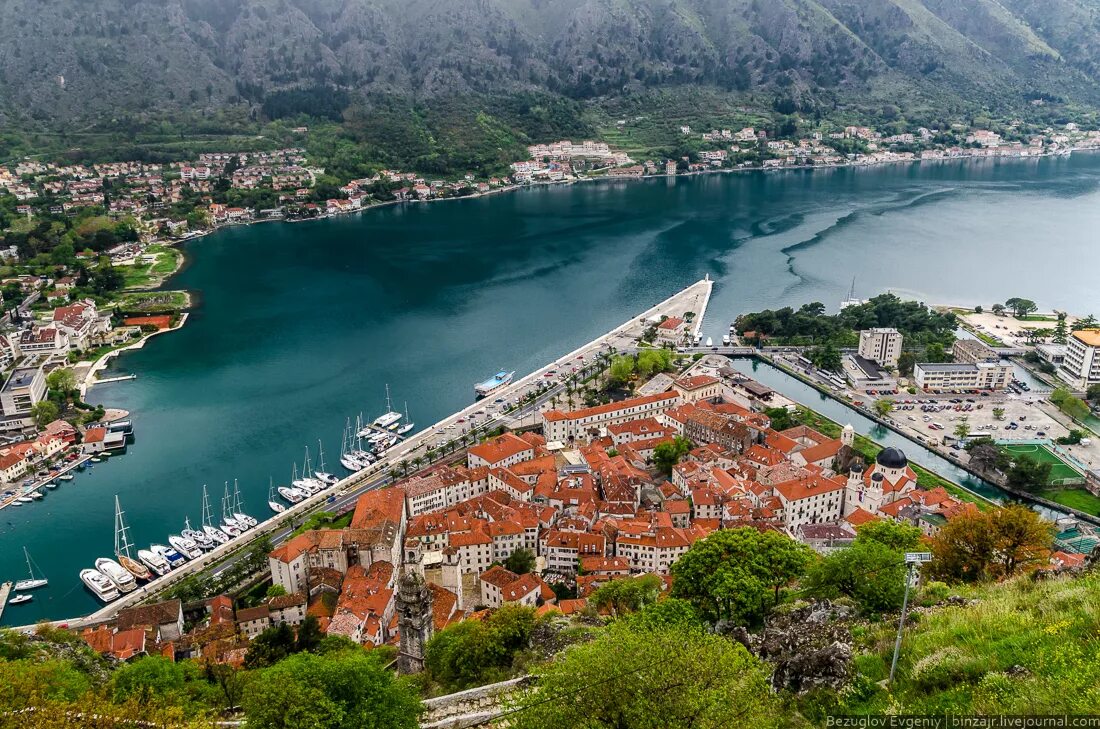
(962, 659)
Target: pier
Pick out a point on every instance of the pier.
(120, 378)
(5, 590)
(346, 491)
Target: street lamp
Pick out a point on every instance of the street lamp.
(913, 561)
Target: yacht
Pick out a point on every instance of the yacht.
(199, 538)
(389, 417)
(215, 534)
(187, 547)
(23, 500)
(50, 485)
(159, 565)
(408, 425)
(100, 586)
(231, 529)
(66, 477)
(33, 582)
(244, 521)
(113, 571)
(212, 532)
(171, 556)
(19, 599)
(352, 463)
(494, 383)
(306, 482)
(36, 495)
(291, 494)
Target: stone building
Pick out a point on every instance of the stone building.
(413, 606)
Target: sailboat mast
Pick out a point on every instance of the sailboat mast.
(206, 515)
(122, 540)
(226, 501)
(389, 405)
(320, 454)
(238, 508)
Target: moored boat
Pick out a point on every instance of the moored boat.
(158, 564)
(171, 556)
(66, 477)
(187, 547)
(33, 582)
(115, 572)
(99, 584)
(292, 495)
(20, 599)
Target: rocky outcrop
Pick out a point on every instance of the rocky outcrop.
(808, 647)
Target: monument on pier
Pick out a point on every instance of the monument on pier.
(413, 605)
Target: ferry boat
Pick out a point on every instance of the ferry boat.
(158, 564)
(19, 599)
(494, 383)
(113, 571)
(33, 582)
(171, 556)
(100, 586)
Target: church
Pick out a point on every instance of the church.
(888, 480)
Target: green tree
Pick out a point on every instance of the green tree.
(1021, 307)
(627, 594)
(780, 418)
(998, 309)
(998, 413)
(1028, 474)
(44, 412)
(652, 361)
(667, 454)
(883, 406)
(155, 679)
(1074, 407)
(33, 682)
(1093, 393)
(635, 678)
(346, 689)
(622, 369)
(270, 646)
(826, 357)
(935, 352)
(731, 574)
(906, 361)
(869, 572)
(521, 561)
(309, 635)
(476, 652)
(1060, 333)
(962, 430)
(896, 536)
(62, 379)
(275, 591)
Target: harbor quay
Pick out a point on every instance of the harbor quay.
(480, 416)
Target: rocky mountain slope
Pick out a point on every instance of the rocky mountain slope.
(73, 60)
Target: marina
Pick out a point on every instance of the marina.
(25, 494)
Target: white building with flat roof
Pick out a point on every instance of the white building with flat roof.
(960, 376)
(1081, 366)
(881, 345)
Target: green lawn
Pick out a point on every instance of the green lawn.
(153, 301)
(1059, 468)
(145, 275)
(1075, 498)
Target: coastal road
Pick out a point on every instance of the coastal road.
(694, 298)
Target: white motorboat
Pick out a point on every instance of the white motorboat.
(117, 574)
(187, 547)
(50, 485)
(100, 586)
(23, 500)
(171, 556)
(292, 495)
(66, 477)
(36, 495)
(154, 561)
(33, 582)
(20, 599)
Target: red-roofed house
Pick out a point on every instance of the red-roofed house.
(500, 452)
(563, 427)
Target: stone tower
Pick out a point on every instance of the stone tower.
(413, 605)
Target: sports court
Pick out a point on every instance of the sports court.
(1059, 469)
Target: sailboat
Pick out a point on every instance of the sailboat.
(123, 547)
(243, 520)
(321, 474)
(32, 583)
(389, 417)
(208, 528)
(271, 502)
(229, 525)
(307, 483)
(409, 425)
(199, 538)
(347, 460)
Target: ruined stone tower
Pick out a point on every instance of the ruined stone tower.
(413, 604)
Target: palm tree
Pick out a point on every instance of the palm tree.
(430, 453)
(416, 462)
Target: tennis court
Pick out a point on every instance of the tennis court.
(1059, 469)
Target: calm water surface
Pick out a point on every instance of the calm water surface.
(302, 325)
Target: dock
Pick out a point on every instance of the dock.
(5, 590)
(120, 378)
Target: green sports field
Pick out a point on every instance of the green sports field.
(1059, 468)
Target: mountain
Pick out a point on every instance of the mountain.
(71, 62)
